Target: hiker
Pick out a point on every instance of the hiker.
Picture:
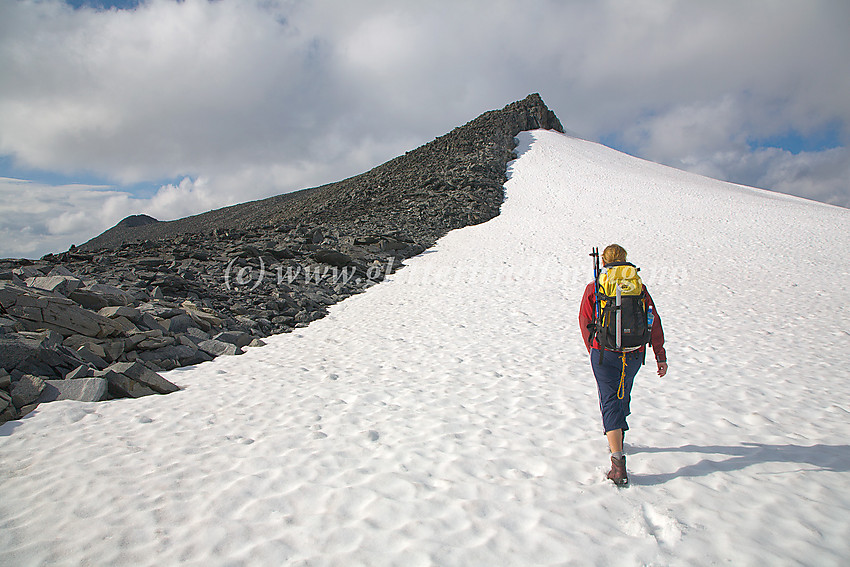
(614, 368)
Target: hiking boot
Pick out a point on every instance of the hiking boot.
(617, 474)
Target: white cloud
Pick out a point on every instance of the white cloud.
(36, 219)
(251, 98)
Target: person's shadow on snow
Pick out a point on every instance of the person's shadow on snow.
(835, 458)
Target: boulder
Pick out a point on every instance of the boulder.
(332, 257)
(90, 354)
(113, 350)
(81, 389)
(8, 325)
(26, 390)
(180, 355)
(144, 376)
(205, 320)
(70, 319)
(89, 299)
(198, 334)
(113, 295)
(180, 323)
(61, 271)
(156, 343)
(149, 322)
(121, 386)
(8, 414)
(149, 262)
(115, 311)
(127, 327)
(37, 309)
(45, 339)
(25, 272)
(62, 285)
(36, 355)
(316, 236)
(81, 371)
(95, 346)
(238, 338)
(15, 349)
(218, 348)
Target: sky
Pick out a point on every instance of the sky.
(112, 108)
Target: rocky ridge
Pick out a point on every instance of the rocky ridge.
(101, 320)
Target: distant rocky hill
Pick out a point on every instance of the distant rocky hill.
(453, 181)
(101, 320)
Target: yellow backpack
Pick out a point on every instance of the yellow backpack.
(623, 324)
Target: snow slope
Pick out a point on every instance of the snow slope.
(449, 416)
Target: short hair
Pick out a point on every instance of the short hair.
(613, 254)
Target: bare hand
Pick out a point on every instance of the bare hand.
(662, 369)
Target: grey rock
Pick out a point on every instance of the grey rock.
(332, 257)
(316, 236)
(61, 271)
(8, 325)
(5, 380)
(189, 340)
(37, 310)
(63, 285)
(85, 353)
(180, 323)
(145, 376)
(218, 348)
(82, 390)
(26, 410)
(205, 320)
(81, 371)
(196, 333)
(149, 322)
(237, 338)
(15, 349)
(89, 299)
(121, 386)
(181, 355)
(156, 343)
(126, 326)
(44, 339)
(26, 390)
(9, 414)
(94, 346)
(111, 294)
(115, 311)
(113, 350)
(150, 262)
(25, 272)
(70, 319)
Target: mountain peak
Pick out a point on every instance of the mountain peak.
(136, 220)
(453, 181)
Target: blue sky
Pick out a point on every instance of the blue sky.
(104, 4)
(112, 108)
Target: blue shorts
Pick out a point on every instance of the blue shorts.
(608, 374)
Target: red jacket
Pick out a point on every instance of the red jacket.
(588, 308)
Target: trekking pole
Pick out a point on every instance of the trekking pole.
(597, 320)
(619, 304)
(595, 255)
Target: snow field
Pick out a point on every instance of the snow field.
(449, 415)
